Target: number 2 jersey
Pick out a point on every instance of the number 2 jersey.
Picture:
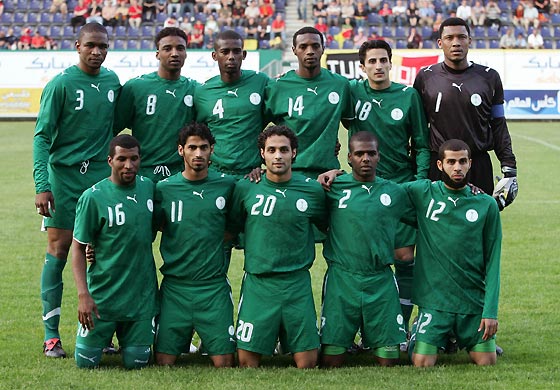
(458, 248)
(117, 221)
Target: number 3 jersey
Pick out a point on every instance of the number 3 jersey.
(458, 249)
(277, 219)
(117, 221)
(192, 215)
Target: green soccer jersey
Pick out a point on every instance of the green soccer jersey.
(396, 116)
(234, 112)
(75, 121)
(458, 246)
(312, 108)
(117, 221)
(155, 109)
(193, 215)
(363, 218)
(277, 219)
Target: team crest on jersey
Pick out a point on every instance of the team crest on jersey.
(302, 205)
(385, 199)
(188, 100)
(334, 97)
(397, 114)
(476, 100)
(471, 215)
(150, 205)
(220, 202)
(111, 95)
(255, 99)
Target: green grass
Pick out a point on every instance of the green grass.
(529, 319)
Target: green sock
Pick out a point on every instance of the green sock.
(51, 294)
(404, 273)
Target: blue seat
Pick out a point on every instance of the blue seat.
(20, 17)
(387, 32)
(46, 17)
(109, 31)
(557, 32)
(241, 31)
(428, 44)
(132, 44)
(401, 44)
(133, 32)
(494, 44)
(43, 30)
(68, 32)
(7, 18)
(400, 32)
(545, 32)
(348, 44)
(480, 44)
(160, 18)
(334, 30)
(56, 31)
(201, 16)
(119, 44)
(374, 19)
(479, 32)
(58, 18)
(147, 31)
(426, 32)
(36, 5)
(548, 44)
(146, 44)
(66, 44)
(120, 31)
(492, 32)
(264, 44)
(555, 19)
(334, 45)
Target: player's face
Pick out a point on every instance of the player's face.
(92, 48)
(229, 55)
(172, 53)
(454, 42)
(278, 155)
(455, 168)
(196, 153)
(377, 67)
(363, 159)
(124, 165)
(308, 50)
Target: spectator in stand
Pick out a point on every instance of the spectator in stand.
(530, 16)
(212, 6)
(278, 27)
(1, 12)
(94, 13)
(171, 21)
(122, 13)
(520, 42)
(225, 15)
(359, 38)
(386, 14)
(11, 40)
(448, 6)
(346, 32)
(58, 6)
(478, 14)
(196, 37)
(554, 7)
(507, 41)
(80, 15)
(3, 40)
(134, 14)
(238, 13)
(414, 40)
(347, 9)
(24, 42)
(333, 13)
(263, 31)
(109, 14)
(427, 13)
(412, 14)
(493, 13)
(211, 24)
(209, 38)
(543, 6)
(322, 26)
(149, 9)
(464, 11)
(252, 11)
(38, 42)
(50, 44)
(517, 15)
(535, 39)
(374, 5)
(200, 6)
(319, 10)
(399, 13)
(161, 6)
(360, 14)
(266, 12)
(252, 28)
(173, 7)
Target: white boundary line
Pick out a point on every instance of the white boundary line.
(538, 141)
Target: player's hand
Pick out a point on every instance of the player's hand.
(337, 147)
(44, 202)
(86, 310)
(255, 174)
(475, 190)
(90, 254)
(490, 327)
(326, 179)
(506, 188)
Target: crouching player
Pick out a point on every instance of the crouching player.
(120, 294)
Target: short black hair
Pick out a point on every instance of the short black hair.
(454, 145)
(91, 28)
(170, 32)
(362, 136)
(227, 34)
(278, 130)
(374, 44)
(308, 30)
(454, 22)
(197, 130)
(125, 141)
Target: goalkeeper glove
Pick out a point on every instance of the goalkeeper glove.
(506, 188)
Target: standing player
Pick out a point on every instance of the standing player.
(359, 287)
(232, 105)
(72, 135)
(457, 273)
(120, 294)
(155, 106)
(312, 101)
(191, 210)
(464, 100)
(277, 214)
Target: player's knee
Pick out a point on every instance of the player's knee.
(136, 356)
(484, 358)
(222, 361)
(420, 360)
(87, 357)
(164, 359)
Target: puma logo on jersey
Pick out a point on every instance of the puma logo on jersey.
(314, 90)
(93, 189)
(282, 192)
(428, 68)
(171, 92)
(234, 92)
(132, 198)
(96, 86)
(223, 175)
(487, 69)
(368, 189)
(378, 102)
(199, 194)
(90, 359)
(453, 200)
(457, 86)
(141, 361)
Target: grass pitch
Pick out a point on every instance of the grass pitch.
(529, 319)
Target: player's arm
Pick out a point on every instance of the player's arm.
(420, 137)
(320, 216)
(348, 113)
(327, 178)
(86, 305)
(124, 109)
(408, 208)
(236, 209)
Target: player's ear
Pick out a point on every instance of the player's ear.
(180, 150)
(244, 54)
(214, 56)
(440, 165)
(439, 43)
(294, 153)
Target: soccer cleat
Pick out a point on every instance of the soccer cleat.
(111, 350)
(499, 350)
(452, 346)
(53, 348)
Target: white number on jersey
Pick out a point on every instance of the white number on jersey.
(177, 211)
(82, 331)
(268, 205)
(364, 112)
(117, 216)
(244, 331)
(218, 109)
(151, 104)
(423, 323)
(433, 214)
(296, 106)
(79, 99)
(341, 204)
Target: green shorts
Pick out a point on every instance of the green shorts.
(277, 306)
(204, 306)
(368, 302)
(405, 236)
(129, 333)
(67, 185)
(160, 172)
(433, 327)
